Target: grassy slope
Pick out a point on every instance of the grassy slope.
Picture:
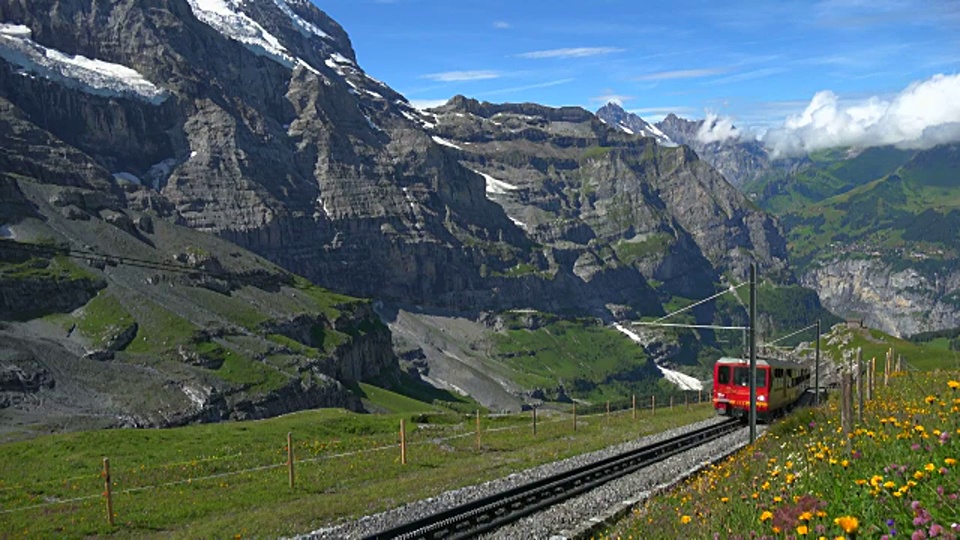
(590, 361)
(830, 173)
(875, 344)
(915, 210)
(333, 481)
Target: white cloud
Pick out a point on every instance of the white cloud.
(924, 114)
(577, 52)
(459, 76)
(502, 25)
(422, 104)
(717, 129)
(682, 74)
(610, 97)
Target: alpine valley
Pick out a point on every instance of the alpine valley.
(873, 230)
(208, 210)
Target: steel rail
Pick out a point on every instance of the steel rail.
(494, 511)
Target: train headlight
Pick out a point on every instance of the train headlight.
(721, 395)
(761, 398)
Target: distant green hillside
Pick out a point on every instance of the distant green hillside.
(911, 216)
(826, 174)
(917, 354)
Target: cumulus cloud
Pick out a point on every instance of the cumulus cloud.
(717, 128)
(924, 114)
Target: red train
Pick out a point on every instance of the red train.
(779, 385)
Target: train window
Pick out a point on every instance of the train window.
(741, 377)
(723, 375)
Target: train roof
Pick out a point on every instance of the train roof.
(773, 362)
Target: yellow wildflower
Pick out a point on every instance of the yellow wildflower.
(930, 467)
(766, 515)
(802, 530)
(950, 461)
(849, 524)
(684, 519)
(953, 384)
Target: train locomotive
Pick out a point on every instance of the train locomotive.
(779, 385)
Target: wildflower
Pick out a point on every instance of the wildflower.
(953, 384)
(802, 530)
(849, 524)
(930, 467)
(806, 516)
(950, 461)
(765, 516)
(685, 519)
(724, 499)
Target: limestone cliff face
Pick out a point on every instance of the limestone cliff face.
(261, 128)
(900, 301)
(614, 200)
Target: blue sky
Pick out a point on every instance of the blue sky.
(757, 62)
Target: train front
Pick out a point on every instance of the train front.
(731, 387)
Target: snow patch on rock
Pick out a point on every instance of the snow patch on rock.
(681, 380)
(6, 231)
(306, 27)
(86, 74)
(228, 18)
(496, 187)
(445, 142)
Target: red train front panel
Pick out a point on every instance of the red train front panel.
(731, 388)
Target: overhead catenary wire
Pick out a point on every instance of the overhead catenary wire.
(696, 326)
(804, 329)
(730, 289)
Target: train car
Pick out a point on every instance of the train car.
(779, 385)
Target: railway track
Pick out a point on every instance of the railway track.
(495, 511)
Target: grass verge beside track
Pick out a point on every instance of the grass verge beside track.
(224, 480)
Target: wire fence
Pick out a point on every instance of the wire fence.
(472, 432)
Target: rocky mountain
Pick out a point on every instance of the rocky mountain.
(251, 121)
(739, 160)
(607, 201)
(614, 115)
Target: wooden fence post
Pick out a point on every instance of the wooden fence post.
(108, 490)
(860, 390)
(699, 396)
(886, 371)
(671, 402)
(608, 412)
(653, 404)
(403, 442)
(634, 404)
(686, 403)
(290, 457)
(574, 416)
(534, 420)
(846, 405)
(478, 429)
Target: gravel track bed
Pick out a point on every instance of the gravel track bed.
(582, 516)
(539, 526)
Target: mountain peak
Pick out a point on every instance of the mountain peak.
(614, 115)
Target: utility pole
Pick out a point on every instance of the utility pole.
(753, 352)
(816, 399)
